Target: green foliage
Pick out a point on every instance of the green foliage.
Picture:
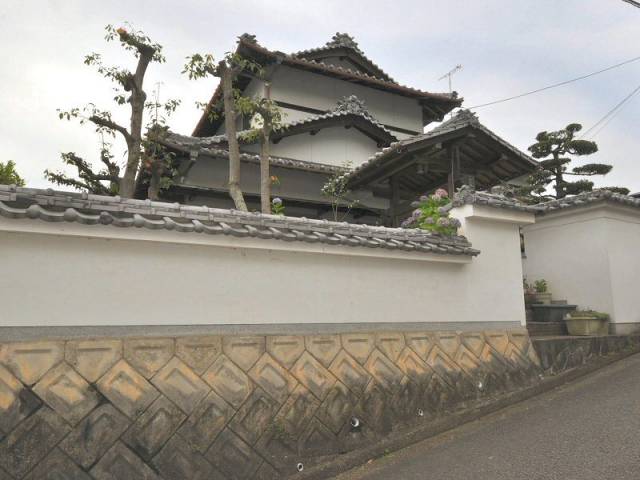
(155, 158)
(554, 149)
(9, 175)
(540, 286)
(102, 182)
(588, 313)
(431, 215)
(336, 190)
(277, 207)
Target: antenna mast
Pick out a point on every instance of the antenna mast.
(450, 73)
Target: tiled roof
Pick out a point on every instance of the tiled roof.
(348, 105)
(462, 119)
(53, 206)
(247, 45)
(496, 198)
(216, 147)
(588, 198)
(344, 40)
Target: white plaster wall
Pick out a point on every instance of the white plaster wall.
(623, 239)
(72, 274)
(495, 278)
(590, 257)
(322, 92)
(331, 146)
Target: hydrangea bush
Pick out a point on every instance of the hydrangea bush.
(431, 215)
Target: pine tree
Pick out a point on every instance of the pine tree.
(555, 150)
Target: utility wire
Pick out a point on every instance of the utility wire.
(610, 114)
(566, 82)
(632, 2)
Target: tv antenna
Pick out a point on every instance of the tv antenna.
(450, 74)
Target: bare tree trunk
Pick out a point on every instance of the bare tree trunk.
(265, 150)
(137, 99)
(265, 178)
(230, 127)
(153, 192)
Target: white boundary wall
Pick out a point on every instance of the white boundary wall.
(590, 256)
(59, 274)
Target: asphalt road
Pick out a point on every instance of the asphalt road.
(588, 429)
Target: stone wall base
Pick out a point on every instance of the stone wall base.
(245, 407)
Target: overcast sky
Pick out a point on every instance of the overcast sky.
(506, 47)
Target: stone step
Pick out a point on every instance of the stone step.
(546, 329)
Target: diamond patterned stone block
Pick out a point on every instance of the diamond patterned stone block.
(323, 347)
(317, 439)
(274, 379)
(148, 355)
(94, 435)
(153, 428)
(92, 358)
(16, 401)
(206, 422)
(350, 372)
(31, 441)
(449, 342)
(178, 460)
(443, 365)
(475, 342)
(391, 344)
(297, 410)
(285, 349)
(359, 345)
(413, 366)
(120, 463)
(181, 385)
(64, 390)
(29, 361)
(313, 375)
(254, 416)
(127, 389)
(244, 351)
(199, 352)
(498, 340)
(57, 466)
(520, 340)
(233, 457)
(336, 409)
(420, 343)
(374, 407)
(467, 361)
(228, 381)
(266, 472)
(384, 371)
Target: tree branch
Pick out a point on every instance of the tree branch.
(103, 122)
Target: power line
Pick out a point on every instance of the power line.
(635, 59)
(632, 2)
(610, 114)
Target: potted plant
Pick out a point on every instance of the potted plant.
(587, 322)
(529, 292)
(542, 294)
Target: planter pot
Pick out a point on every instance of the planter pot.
(544, 298)
(529, 298)
(587, 325)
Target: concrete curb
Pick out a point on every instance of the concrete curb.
(411, 436)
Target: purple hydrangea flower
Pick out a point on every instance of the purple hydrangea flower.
(443, 222)
(277, 201)
(429, 221)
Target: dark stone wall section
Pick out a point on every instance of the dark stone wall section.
(559, 354)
